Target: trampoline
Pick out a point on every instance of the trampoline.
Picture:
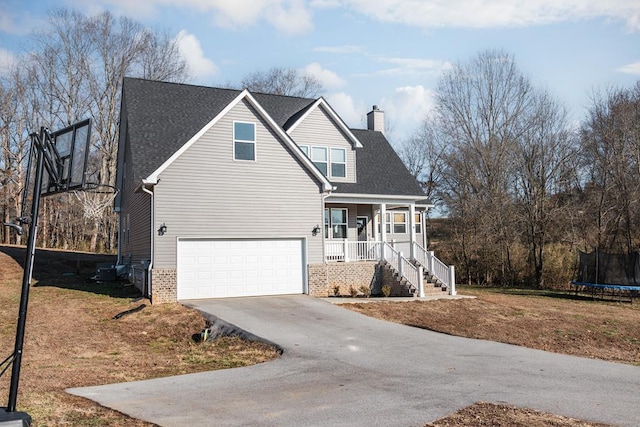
(604, 291)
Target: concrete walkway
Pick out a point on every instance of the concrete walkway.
(340, 368)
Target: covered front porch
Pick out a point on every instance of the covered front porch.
(387, 231)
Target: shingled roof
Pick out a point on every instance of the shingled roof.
(162, 117)
(379, 169)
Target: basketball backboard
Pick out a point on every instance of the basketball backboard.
(66, 154)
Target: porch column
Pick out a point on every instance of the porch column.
(383, 229)
(423, 227)
(412, 231)
(376, 221)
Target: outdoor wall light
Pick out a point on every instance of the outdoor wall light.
(315, 230)
(162, 229)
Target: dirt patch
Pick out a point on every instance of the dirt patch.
(72, 339)
(489, 414)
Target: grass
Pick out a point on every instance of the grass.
(72, 339)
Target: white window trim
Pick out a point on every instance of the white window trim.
(329, 233)
(326, 149)
(390, 222)
(405, 222)
(417, 222)
(254, 142)
(329, 157)
(331, 162)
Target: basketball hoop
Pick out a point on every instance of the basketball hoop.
(95, 199)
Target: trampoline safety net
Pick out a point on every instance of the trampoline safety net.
(612, 269)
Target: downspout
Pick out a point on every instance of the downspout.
(119, 259)
(150, 193)
(326, 194)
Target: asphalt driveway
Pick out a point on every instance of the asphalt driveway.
(341, 368)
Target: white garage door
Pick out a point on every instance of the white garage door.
(233, 268)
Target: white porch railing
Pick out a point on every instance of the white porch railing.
(435, 267)
(348, 251)
(411, 273)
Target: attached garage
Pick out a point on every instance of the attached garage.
(216, 268)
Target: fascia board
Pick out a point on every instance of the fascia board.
(321, 101)
(366, 198)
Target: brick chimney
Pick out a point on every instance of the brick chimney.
(375, 119)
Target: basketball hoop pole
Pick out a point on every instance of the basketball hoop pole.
(36, 144)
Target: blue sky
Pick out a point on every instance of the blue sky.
(384, 52)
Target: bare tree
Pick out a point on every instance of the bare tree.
(283, 81)
(546, 159)
(75, 71)
(482, 104)
(610, 139)
(503, 155)
(422, 154)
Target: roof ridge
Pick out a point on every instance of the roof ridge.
(142, 79)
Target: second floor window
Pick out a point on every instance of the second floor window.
(319, 158)
(338, 163)
(244, 141)
(332, 162)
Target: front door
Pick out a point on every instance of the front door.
(361, 222)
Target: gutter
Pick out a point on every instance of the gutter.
(146, 190)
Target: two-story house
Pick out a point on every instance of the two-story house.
(226, 193)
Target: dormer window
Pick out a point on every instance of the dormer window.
(244, 141)
(319, 158)
(332, 162)
(338, 163)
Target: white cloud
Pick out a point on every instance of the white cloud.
(353, 114)
(413, 65)
(495, 13)
(405, 109)
(633, 68)
(7, 61)
(324, 4)
(141, 9)
(190, 48)
(287, 16)
(290, 17)
(345, 49)
(328, 78)
(225, 13)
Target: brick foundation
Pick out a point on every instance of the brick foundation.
(318, 280)
(164, 285)
(323, 278)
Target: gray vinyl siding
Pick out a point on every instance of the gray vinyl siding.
(318, 129)
(137, 206)
(205, 193)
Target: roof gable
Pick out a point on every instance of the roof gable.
(165, 119)
(295, 120)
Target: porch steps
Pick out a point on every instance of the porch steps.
(401, 288)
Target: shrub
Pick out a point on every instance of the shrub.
(336, 291)
(386, 290)
(353, 291)
(365, 290)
